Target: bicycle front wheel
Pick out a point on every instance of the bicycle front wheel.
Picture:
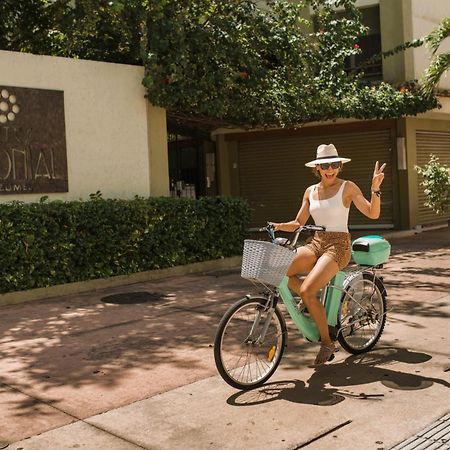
(362, 314)
(249, 343)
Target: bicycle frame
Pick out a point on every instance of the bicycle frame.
(330, 297)
(252, 335)
(262, 335)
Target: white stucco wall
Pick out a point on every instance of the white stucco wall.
(426, 15)
(107, 120)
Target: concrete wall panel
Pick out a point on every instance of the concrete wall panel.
(110, 128)
(426, 15)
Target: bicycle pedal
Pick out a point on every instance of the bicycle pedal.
(302, 309)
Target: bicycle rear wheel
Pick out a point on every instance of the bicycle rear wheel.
(362, 314)
(246, 356)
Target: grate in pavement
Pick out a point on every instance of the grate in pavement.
(436, 436)
(130, 298)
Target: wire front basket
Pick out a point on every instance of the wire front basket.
(265, 262)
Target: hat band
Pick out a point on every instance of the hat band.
(327, 157)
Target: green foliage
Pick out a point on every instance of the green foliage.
(25, 25)
(48, 243)
(436, 183)
(440, 62)
(241, 64)
(435, 38)
(88, 29)
(222, 62)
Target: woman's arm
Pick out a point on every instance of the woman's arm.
(370, 209)
(300, 219)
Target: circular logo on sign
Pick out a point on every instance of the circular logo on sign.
(8, 106)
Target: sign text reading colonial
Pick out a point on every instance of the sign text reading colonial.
(33, 156)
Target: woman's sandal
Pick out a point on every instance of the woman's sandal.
(326, 353)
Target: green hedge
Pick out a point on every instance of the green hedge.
(48, 243)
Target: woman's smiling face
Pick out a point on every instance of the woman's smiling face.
(329, 171)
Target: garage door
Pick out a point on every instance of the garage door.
(273, 177)
(427, 143)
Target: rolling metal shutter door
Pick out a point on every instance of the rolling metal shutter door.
(436, 143)
(273, 177)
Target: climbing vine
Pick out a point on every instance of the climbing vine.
(235, 63)
(230, 62)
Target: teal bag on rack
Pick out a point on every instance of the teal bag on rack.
(370, 250)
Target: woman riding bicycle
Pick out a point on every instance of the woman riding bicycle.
(328, 202)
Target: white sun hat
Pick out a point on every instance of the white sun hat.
(326, 153)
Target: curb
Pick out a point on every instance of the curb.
(14, 298)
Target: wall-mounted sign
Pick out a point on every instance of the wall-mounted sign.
(33, 156)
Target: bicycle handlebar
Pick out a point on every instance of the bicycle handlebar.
(270, 229)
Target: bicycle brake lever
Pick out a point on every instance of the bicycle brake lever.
(271, 231)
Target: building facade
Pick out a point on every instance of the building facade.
(267, 167)
(70, 128)
(110, 139)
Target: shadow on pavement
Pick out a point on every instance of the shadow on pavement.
(82, 354)
(353, 371)
(88, 353)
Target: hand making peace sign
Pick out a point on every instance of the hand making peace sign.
(378, 176)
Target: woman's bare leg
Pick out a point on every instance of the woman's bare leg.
(303, 263)
(323, 271)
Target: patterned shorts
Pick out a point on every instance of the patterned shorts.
(335, 244)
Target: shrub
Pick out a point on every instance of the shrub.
(436, 183)
(48, 243)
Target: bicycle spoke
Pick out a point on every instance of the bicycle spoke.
(363, 320)
(247, 356)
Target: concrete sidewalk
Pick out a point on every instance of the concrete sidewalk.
(132, 367)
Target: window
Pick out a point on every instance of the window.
(369, 44)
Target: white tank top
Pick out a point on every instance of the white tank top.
(331, 212)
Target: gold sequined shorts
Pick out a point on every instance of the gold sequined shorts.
(335, 244)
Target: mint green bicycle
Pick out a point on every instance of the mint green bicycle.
(252, 334)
